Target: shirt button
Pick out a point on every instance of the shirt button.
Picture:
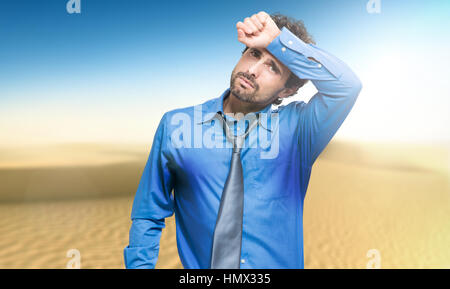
(319, 65)
(242, 261)
(290, 42)
(283, 49)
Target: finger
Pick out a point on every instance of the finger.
(257, 22)
(262, 16)
(241, 35)
(244, 27)
(249, 23)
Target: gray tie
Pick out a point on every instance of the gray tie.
(227, 239)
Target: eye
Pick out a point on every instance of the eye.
(273, 69)
(254, 53)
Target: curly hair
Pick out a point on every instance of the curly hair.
(297, 27)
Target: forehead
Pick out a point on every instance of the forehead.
(267, 55)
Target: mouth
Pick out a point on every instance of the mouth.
(246, 83)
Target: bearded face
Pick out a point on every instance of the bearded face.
(258, 77)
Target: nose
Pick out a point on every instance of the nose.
(255, 68)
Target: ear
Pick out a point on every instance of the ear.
(288, 91)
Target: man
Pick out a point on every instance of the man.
(240, 205)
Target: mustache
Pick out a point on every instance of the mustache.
(247, 77)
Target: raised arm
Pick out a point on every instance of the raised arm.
(338, 87)
(152, 204)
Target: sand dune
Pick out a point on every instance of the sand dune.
(62, 183)
(362, 196)
(70, 154)
(68, 171)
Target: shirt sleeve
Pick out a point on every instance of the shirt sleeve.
(338, 88)
(153, 203)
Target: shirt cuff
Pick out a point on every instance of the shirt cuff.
(140, 257)
(287, 47)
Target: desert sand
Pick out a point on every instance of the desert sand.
(394, 198)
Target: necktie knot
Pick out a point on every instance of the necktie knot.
(237, 140)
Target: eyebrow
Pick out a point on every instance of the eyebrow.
(271, 61)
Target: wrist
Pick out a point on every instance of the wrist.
(274, 36)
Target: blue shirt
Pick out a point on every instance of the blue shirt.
(186, 160)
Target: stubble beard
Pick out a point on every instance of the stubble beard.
(242, 93)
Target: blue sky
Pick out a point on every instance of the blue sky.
(109, 73)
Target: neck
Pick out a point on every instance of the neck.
(233, 105)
